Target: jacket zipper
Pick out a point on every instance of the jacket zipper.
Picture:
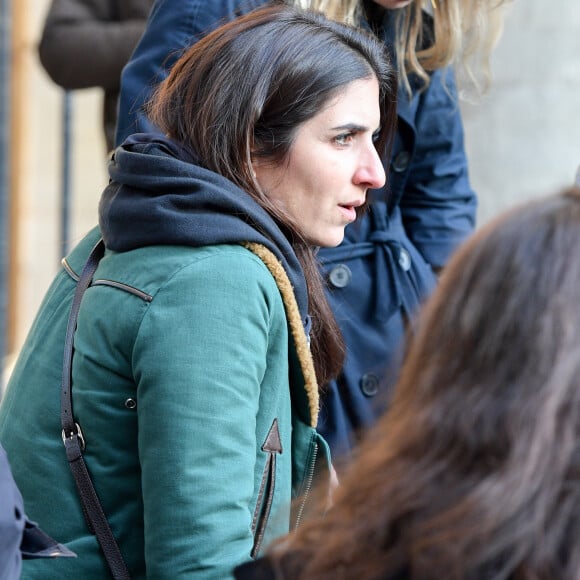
(264, 504)
(272, 446)
(308, 486)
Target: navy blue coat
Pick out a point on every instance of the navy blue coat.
(19, 537)
(383, 270)
(12, 521)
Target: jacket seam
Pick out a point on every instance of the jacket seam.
(111, 283)
(124, 287)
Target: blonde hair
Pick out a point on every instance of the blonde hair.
(464, 34)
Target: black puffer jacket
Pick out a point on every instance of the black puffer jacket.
(86, 43)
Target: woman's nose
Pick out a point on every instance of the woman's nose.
(371, 172)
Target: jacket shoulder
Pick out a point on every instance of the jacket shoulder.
(151, 268)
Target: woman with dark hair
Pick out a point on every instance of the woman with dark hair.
(201, 341)
(387, 264)
(474, 473)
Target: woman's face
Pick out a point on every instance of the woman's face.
(331, 165)
(393, 4)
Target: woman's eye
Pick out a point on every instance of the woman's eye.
(344, 139)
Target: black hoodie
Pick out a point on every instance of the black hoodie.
(159, 195)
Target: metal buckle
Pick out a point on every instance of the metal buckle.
(78, 433)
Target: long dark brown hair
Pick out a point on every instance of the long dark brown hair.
(246, 88)
(474, 472)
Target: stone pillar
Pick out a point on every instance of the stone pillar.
(523, 136)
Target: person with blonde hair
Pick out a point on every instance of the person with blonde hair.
(431, 34)
(474, 472)
(388, 262)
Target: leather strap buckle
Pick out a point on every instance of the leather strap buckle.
(78, 433)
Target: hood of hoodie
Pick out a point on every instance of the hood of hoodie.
(158, 195)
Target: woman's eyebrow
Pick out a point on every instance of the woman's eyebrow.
(350, 127)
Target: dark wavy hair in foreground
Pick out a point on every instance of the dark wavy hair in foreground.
(474, 472)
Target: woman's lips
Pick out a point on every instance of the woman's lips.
(348, 211)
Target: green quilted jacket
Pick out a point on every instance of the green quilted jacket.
(194, 390)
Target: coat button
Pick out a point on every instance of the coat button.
(404, 260)
(340, 276)
(401, 161)
(369, 384)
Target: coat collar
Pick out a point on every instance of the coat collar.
(299, 337)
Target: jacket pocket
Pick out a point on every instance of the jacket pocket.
(272, 446)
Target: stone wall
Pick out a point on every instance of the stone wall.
(523, 136)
